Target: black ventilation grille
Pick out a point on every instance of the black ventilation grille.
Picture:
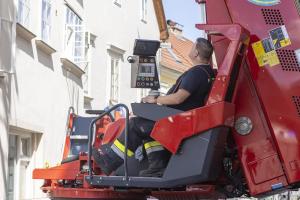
(296, 100)
(288, 60)
(272, 16)
(297, 4)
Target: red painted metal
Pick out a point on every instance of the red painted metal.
(187, 124)
(67, 171)
(67, 147)
(95, 193)
(257, 151)
(271, 153)
(113, 130)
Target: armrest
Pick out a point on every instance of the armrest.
(153, 112)
(94, 112)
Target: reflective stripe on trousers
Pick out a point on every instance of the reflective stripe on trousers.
(153, 146)
(119, 149)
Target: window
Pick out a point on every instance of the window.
(23, 12)
(144, 10)
(46, 20)
(21, 162)
(115, 85)
(74, 37)
(6, 45)
(12, 154)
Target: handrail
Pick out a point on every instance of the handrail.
(99, 112)
(91, 136)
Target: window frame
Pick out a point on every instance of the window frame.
(144, 9)
(74, 48)
(114, 98)
(23, 18)
(46, 23)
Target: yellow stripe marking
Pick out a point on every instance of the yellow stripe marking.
(121, 147)
(151, 144)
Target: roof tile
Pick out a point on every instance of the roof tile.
(181, 47)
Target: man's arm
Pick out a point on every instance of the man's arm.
(172, 99)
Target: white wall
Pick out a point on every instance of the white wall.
(118, 26)
(6, 40)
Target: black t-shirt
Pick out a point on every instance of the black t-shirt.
(197, 81)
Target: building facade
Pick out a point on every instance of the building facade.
(57, 54)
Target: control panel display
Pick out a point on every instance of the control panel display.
(147, 69)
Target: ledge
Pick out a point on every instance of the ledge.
(71, 67)
(118, 4)
(88, 98)
(45, 47)
(17, 125)
(144, 21)
(2, 74)
(23, 32)
(115, 49)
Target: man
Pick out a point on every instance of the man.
(189, 92)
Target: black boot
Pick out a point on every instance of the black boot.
(158, 162)
(107, 159)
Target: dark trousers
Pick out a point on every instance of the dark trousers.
(139, 131)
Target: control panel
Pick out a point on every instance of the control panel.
(144, 72)
(147, 76)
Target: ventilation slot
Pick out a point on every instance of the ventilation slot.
(272, 16)
(296, 100)
(288, 60)
(297, 4)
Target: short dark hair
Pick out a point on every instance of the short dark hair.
(204, 48)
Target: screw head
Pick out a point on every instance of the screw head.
(243, 125)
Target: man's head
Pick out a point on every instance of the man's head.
(201, 51)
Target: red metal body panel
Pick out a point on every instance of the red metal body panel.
(184, 125)
(267, 101)
(113, 130)
(257, 151)
(67, 171)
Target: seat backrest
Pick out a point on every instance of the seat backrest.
(79, 134)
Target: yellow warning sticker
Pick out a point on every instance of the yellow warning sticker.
(280, 37)
(265, 53)
(259, 52)
(272, 58)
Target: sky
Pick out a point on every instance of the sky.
(186, 13)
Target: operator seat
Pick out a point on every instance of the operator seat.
(199, 158)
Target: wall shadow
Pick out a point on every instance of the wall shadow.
(25, 46)
(4, 87)
(80, 2)
(45, 59)
(71, 76)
